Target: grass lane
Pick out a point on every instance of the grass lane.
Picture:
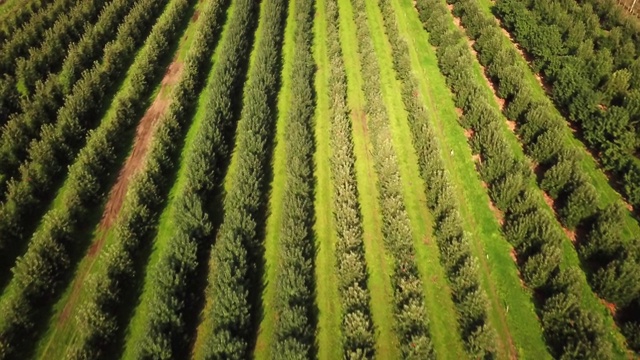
(329, 311)
(440, 307)
(263, 347)
(500, 276)
(378, 263)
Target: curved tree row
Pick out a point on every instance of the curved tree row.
(49, 54)
(571, 330)
(410, 312)
(294, 329)
(99, 319)
(613, 260)
(172, 280)
(357, 323)
(18, 17)
(31, 33)
(455, 250)
(233, 280)
(27, 197)
(39, 274)
(594, 76)
(42, 106)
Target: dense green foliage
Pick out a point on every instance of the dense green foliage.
(99, 317)
(31, 33)
(20, 16)
(562, 177)
(572, 331)
(51, 51)
(357, 324)
(235, 255)
(27, 197)
(41, 106)
(39, 274)
(594, 73)
(455, 251)
(410, 312)
(295, 287)
(172, 280)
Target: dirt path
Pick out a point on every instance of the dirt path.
(144, 135)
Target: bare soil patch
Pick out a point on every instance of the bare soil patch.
(468, 133)
(195, 16)
(511, 125)
(144, 135)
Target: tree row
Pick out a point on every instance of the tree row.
(294, 303)
(455, 249)
(411, 318)
(173, 287)
(571, 328)
(235, 276)
(356, 323)
(101, 318)
(18, 17)
(612, 259)
(39, 275)
(594, 75)
(40, 107)
(48, 158)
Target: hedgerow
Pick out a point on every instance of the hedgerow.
(18, 17)
(357, 323)
(532, 230)
(27, 197)
(455, 251)
(31, 33)
(98, 319)
(564, 180)
(232, 283)
(39, 274)
(593, 73)
(51, 51)
(411, 320)
(294, 327)
(172, 289)
(41, 106)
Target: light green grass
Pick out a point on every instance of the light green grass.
(440, 307)
(569, 257)
(499, 273)
(329, 336)
(606, 194)
(262, 350)
(61, 333)
(380, 267)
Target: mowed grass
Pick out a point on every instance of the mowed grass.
(61, 328)
(329, 336)
(606, 193)
(440, 307)
(500, 277)
(570, 258)
(262, 350)
(379, 265)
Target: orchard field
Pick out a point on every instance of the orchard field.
(330, 179)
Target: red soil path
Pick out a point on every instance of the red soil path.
(144, 135)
